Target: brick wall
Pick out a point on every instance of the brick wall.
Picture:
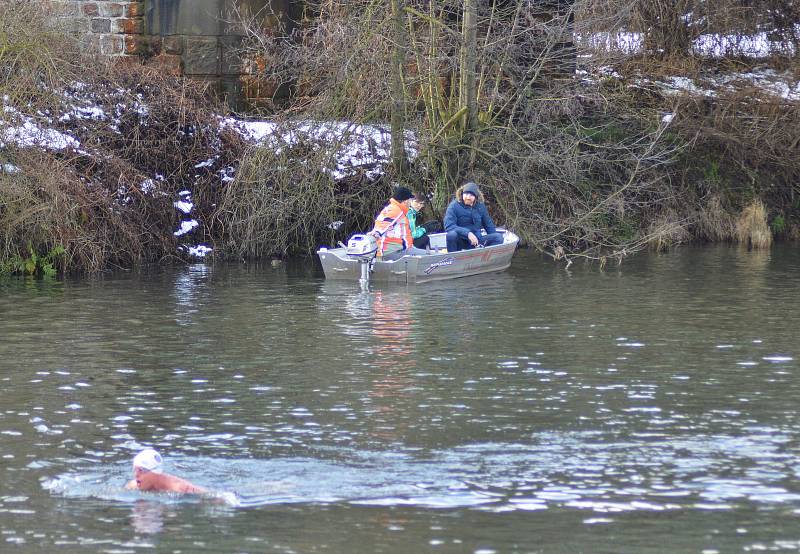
(114, 27)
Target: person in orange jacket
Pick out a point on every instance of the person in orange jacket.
(392, 228)
(147, 476)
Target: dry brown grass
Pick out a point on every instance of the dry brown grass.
(714, 223)
(37, 53)
(752, 229)
(667, 230)
(753, 129)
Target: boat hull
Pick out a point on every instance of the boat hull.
(436, 266)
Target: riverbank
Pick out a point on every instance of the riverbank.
(107, 165)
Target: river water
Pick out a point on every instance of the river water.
(647, 407)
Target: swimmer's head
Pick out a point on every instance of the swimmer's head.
(147, 459)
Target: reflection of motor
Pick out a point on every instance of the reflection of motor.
(362, 247)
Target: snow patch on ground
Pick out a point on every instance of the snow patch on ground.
(768, 81)
(359, 148)
(753, 46)
(183, 206)
(707, 45)
(198, 251)
(765, 81)
(677, 85)
(186, 227)
(24, 132)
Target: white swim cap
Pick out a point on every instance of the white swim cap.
(147, 459)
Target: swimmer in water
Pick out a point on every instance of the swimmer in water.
(147, 476)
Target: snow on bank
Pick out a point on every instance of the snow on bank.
(359, 148)
(198, 251)
(24, 132)
(753, 46)
(767, 81)
(185, 206)
(758, 46)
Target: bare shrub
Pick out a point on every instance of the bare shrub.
(169, 136)
(665, 25)
(47, 204)
(285, 199)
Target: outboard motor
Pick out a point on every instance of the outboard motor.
(363, 248)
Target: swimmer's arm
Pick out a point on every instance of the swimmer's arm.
(131, 485)
(176, 484)
(190, 488)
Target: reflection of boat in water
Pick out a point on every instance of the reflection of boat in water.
(436, 265)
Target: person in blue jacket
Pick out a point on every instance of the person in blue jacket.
(464, 218)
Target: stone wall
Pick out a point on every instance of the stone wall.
(198, 38)
(113, 27)
(195, 38)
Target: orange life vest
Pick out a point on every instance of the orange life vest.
(393, 227)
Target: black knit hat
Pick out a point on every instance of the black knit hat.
(402, 193)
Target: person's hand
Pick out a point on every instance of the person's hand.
(473, 240)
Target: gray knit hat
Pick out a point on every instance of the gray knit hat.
(471, 188)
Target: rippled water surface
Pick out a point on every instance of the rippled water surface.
(650, 407)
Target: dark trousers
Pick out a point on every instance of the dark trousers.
(422, 242)
(456, 243)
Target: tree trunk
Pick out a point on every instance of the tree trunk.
(469, 82)
(398, 94)
(469, 56)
